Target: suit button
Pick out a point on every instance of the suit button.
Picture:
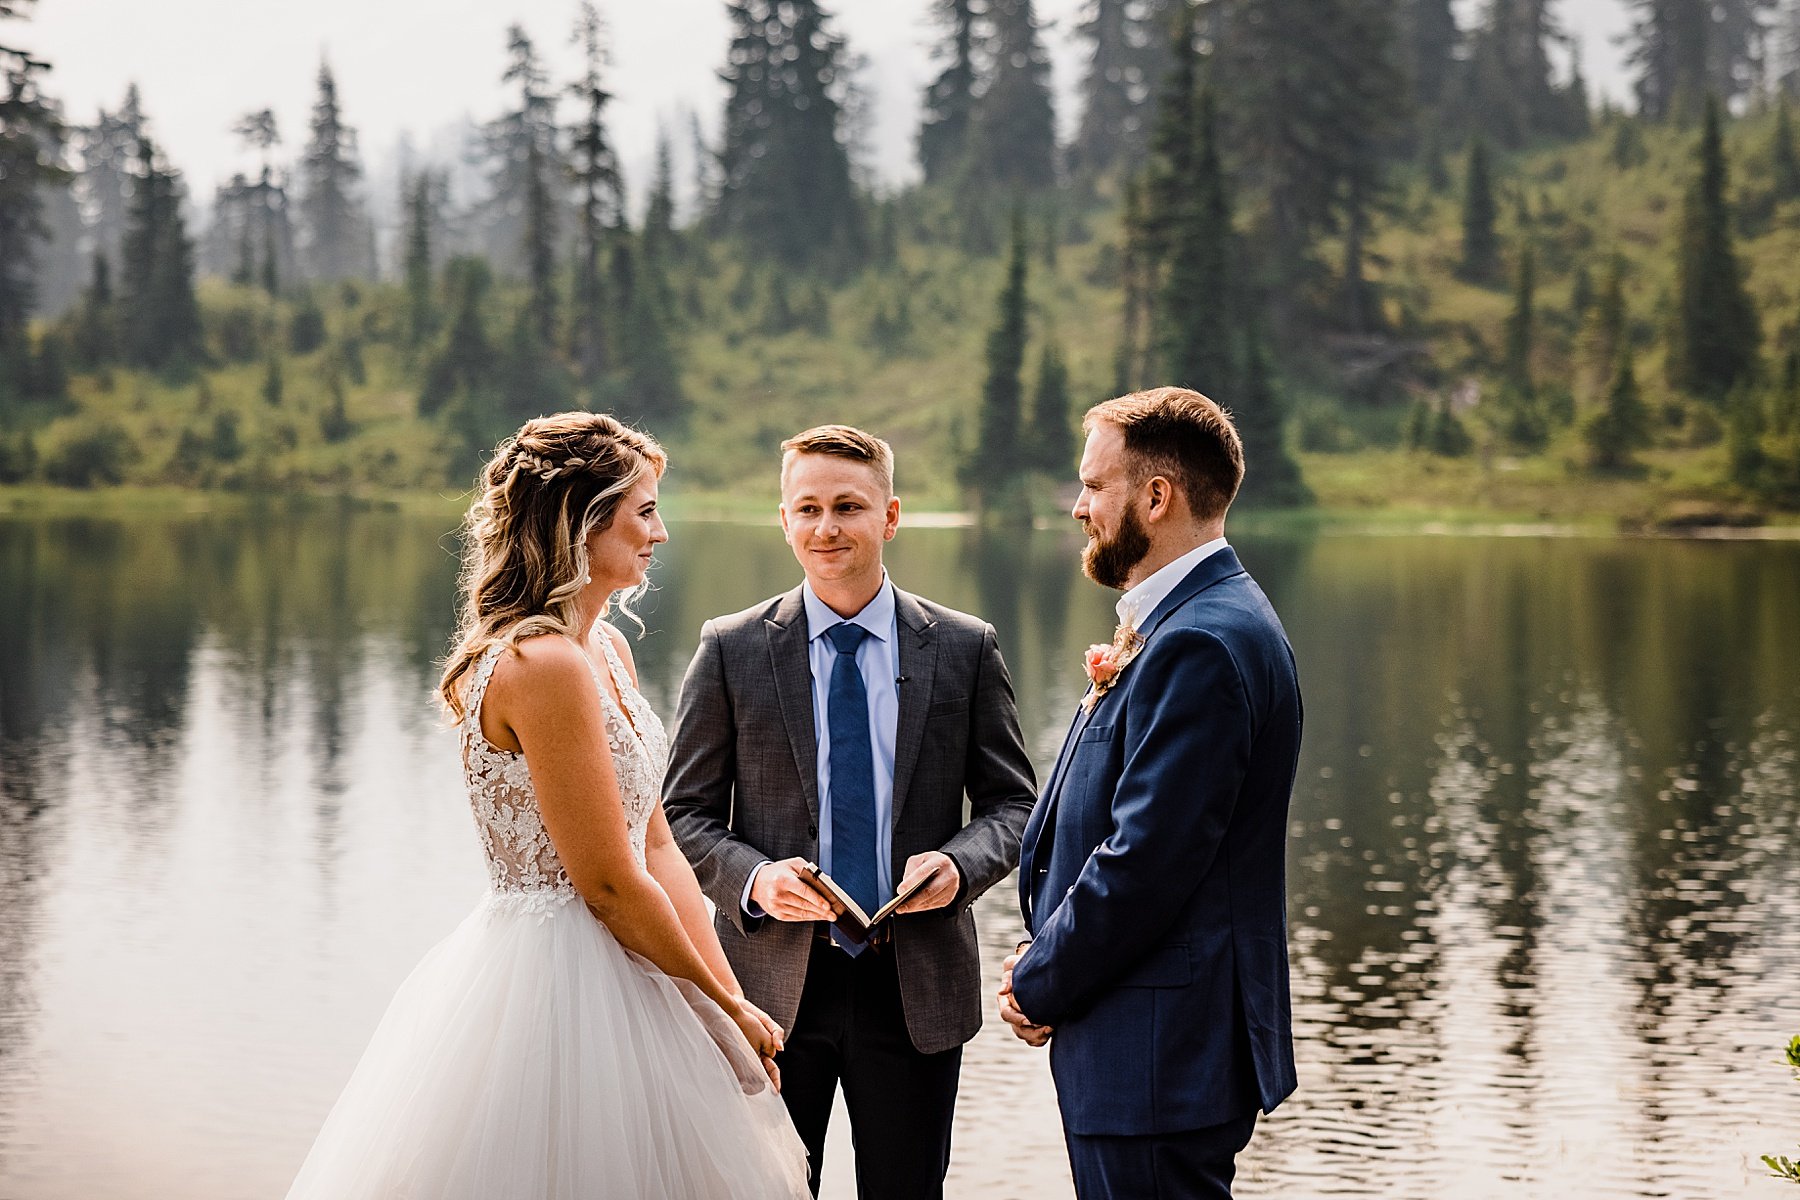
(812, 831)
(1043, 870)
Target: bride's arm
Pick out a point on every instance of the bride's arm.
(546, 698)
(670, 867)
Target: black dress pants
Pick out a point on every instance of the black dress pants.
(851, 1029)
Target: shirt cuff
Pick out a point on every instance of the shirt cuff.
(752, 908)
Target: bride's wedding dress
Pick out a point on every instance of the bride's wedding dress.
(532, 1057)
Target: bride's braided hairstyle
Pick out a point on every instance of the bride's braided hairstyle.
(525, 556)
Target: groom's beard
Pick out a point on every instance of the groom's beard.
(1109, 561)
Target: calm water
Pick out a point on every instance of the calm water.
(1544, 886)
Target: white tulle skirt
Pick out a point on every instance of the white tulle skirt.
(531, 1057)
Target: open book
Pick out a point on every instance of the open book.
(853, 922)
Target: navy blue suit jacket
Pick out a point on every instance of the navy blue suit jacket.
(1153, 873)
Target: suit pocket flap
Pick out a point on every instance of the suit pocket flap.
(948, 708)
(1096, 733)
(1165, 966)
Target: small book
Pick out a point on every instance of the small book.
(853, 922)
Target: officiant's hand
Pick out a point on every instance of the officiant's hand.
(946, 881)
(783, 893)
(1022, 1027)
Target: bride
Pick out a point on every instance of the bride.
(581, 1034)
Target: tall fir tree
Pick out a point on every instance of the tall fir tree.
(1480, 240)
(423, 195)
(1052, 440)
(996, 460)
(1669, 51)
(1272, 478)
(1194, 327)
(950, 98)
(1716, 333)
(30, 136)
(1604, 332)
(1622, 425)
(335, 228)
(460, 373)
(1111, 92)
(600, 188)
(1135, 270)
(1784, 156)
(108, 151)
(1433, 44)
(518, 218)
(160, 317)
(1014, 124)
(785, 185)
(1513, 96)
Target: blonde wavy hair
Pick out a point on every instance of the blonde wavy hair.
(525, 560)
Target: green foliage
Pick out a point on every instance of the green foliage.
(1521, 327)
(1780, 1165)
(94, 455)
(786, 186)
(159, 314)
(1480, 242)
(1194, 326)
(30, 136)
(1052, 440)
(1013, 129)
(996, 459)
(950, 98)
(306, 328)
(1784, 157)
(1622, 425)
(18, 457)
(337, 240)
(1715, 335)
(272, 382)
(1271, 476)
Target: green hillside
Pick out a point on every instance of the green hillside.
(900, 348)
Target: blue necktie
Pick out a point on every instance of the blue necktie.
(852, 777)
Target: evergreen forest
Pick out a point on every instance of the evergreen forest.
(1400, 241)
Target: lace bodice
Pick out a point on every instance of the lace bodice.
(521, 860)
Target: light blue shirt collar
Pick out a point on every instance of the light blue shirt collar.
(877, 616)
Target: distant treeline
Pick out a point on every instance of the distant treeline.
(1252, 153)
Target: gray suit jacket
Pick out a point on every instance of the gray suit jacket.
(743, 787)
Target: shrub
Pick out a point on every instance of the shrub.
(94, 456)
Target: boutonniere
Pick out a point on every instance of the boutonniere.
(1106, 662)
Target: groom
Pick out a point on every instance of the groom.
(1152, 871)
(843, 723)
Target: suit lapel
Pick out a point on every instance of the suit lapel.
(1213, 569)
(787, 638)
(918, 650)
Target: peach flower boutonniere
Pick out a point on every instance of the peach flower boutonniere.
(1106, 662)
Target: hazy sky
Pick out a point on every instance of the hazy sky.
(420, 66)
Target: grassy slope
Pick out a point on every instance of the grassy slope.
(752, 388)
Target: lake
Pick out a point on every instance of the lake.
(1543, 883)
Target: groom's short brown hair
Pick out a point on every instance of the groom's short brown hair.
(843, 441)
(1181, 435)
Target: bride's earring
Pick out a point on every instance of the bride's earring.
(588, 578)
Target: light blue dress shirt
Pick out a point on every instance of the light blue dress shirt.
(879, 660)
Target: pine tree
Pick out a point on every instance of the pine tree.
(30, 135)
(1480, 243)
(1670, 53)
(1112, 100)
(96, 334)
(1272, 478)
(160, 317)
(1052, 438)
(1622, 425)
(1784, 157)
(517, 220)
(786, 186)
(462, 369)
(1603, 333)
(1134, 273)
(1513, 96)
(601, 189)
(1433, 41)
(996, 460)
(336, 230)
(950, 98)
(1014, 124)
(422, 197)
(108, 150)
(661, 243)
(1714, 347)
(1194, 328)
